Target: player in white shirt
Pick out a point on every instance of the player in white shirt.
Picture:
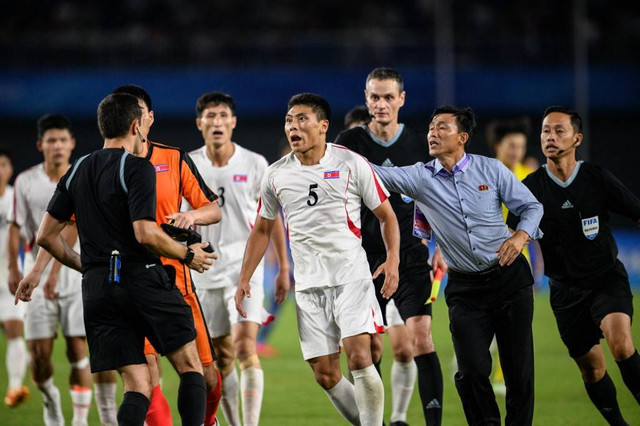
(235, 174)
(321, 188)
(11, 316)
(60, 299)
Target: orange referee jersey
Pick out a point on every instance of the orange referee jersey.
(177, 177)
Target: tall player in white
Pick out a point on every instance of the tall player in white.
(32, 192)
(321, 188)
(11, 316)
(234, 173)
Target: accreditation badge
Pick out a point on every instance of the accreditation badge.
(421, 227)
(590, 227)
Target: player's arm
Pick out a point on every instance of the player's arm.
(278, 238)
(149, 235)
(391, 237)
(14, 248)
(70, 234)
(253, 253)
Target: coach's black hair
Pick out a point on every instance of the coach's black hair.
(385, 73)
(52, 121)
(318, 104)
(465, 118)
(136, 91)
(116, 112)
(215, 99)
(576, 120)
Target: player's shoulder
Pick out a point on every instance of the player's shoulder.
(29, 175)
(343, 153)
(163, 151)
(282, 164)
(248, 155)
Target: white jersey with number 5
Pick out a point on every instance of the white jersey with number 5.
(238, 187)
(321, 204)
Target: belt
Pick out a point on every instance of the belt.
(483, 275)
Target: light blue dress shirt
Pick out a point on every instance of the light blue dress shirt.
(464, 207)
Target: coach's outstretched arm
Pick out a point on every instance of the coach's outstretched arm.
(253, 253)
(391, 237)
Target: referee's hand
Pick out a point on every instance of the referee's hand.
(202, 260)
(244, 290)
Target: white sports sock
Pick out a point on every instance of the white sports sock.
(16, 361)
(343, 397)
(229, 401)
(369, 393)
(106, 402)
(403, 379)
(251, 390)
(52, 409)
(81, 399)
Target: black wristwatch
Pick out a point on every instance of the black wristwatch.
(189, 257)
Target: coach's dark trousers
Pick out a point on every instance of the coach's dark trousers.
(499, 302)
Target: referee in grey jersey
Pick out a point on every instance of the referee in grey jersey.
(489, 291)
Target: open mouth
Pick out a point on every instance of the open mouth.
(433, 143)
(296, 138)
(217, 133)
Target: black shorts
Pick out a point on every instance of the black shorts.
(580, 309)
(414, 287)
(117, 317)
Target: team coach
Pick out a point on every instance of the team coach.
(125, 291)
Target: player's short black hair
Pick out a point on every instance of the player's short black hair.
(318, 104)
(357, 114)
(498, 129)
(385, 73)
(135, 91)
(215, 98)
(6, 153)
(116, 112)
(52, 121)
(465, 117)
(576, 120)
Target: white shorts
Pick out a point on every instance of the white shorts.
(9, 311)
(393, 315)
(326, 315)
(43, 316)
(219, 308)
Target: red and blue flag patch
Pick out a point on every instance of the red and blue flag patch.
(333, 174)
(239, 178)
(161, 167)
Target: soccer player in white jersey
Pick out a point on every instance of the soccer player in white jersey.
(321, 187)
(11, 316)
(235, 174)
(32, 192)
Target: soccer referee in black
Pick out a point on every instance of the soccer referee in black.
(112, 194)
(590, 292)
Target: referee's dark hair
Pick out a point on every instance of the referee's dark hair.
(52, 121)
(318, 104)
(465, 118)
(576, 120)
(116, 113)
(137, 91)
(385, 73)
(215, 99)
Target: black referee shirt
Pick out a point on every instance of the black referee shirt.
(107, 190)
(409, 148)
(578, 243)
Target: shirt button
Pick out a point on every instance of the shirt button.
(461, 199)
(474, 249)
(469, 231)
(465, 216)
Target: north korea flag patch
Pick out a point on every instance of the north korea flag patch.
(333, 174)
(161, 167)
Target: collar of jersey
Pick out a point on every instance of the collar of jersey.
(558, 181)
(380, 141)
(323, 161)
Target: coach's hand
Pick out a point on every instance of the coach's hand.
(202, 260)
(26, 287)
(390, 270)
(437, 261)
(511, 248)
(244, 290)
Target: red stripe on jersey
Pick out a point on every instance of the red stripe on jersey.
(379, 328)
(259, 204)
(352, 226)
(251, 225)
(381, 193)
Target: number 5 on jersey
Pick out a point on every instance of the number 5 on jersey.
(314, 196)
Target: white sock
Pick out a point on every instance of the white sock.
(251, 390)
(81, 399)
(343, 397)
(106, 402)
(403, 379)
(16, 361)
(52, 410)
(229, 401)
(369, 393)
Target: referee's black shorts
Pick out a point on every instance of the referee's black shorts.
(414, 286)
(118, 316)
(579, 307)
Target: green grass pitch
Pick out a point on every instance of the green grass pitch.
(293, 398)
